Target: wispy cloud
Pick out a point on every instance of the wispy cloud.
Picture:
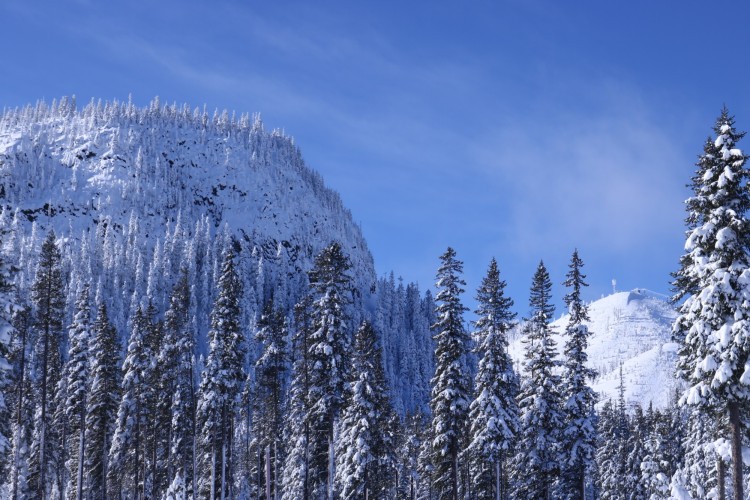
(611, 179)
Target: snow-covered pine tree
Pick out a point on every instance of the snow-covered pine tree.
(578, 440)
(610, 454)
(605, 451)
(493, 413)
(699, 474)
(126, 469)
(58, 437)
(7, 378)
(177, 360)
(270, 375)
(655, 466)
(329, 342)
(613, 432)
(714, 322)
(295, 473)
(221, 385)
(78, 380)
(156, 442)
(386, 478)
(101, 404)
(537, 463)
(23, 411)
(451, 391)
(363, 421)
(48, 298)
(674, 436)
(413, 431)
(632, 480)
(425, 487)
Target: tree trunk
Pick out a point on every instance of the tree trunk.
(454, 476)
(331, 465)
(194, 426)
(19, 418)
(81, 446)
(367, 486)
(735, 425)
(213, 467)
(268, 472)
(497, 479)
(43, 430)
(275, 469)
(137, 446)
(721, 478)
(223, 468)
(105, 462)
(305, 489)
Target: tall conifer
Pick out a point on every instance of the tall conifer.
(48, 297)
(102, 403)
(714, 322)
(578, 441)
(127, 461)
(494, 411)
(77, 372)
(451, 392)
(328, 347)
(361, 458)
(270, 372)
(537, 460)
(221, 385)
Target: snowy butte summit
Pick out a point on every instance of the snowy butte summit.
(631, 330)
(141, 193)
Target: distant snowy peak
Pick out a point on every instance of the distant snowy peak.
(72, 169)
(633, 330)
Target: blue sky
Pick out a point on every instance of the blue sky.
(514, 129)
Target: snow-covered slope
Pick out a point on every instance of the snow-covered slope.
(144, 189)
(633, 329)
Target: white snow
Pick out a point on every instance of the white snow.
(633, 329)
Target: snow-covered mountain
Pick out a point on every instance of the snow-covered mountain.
(134, 194)
(142, 191)
(633, 329)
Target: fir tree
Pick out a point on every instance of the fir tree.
(613, 433)
(578, 441)
(362, 453)
(221, 385)
(610, 454)
(328, 345)
(634, 453)
(156, 440)
(425, 468)
(101, 404)
(77, 372)
(450, 385)
(47, 293)
(698, 475)
(58, 436)
(655, 466)
(537, 459)
(713, 325)
(493, 412)
(295, 473)
(411, 443)
(127, 461)
(7, 334)
(270, 370)
(23, 414)
(177, 360)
